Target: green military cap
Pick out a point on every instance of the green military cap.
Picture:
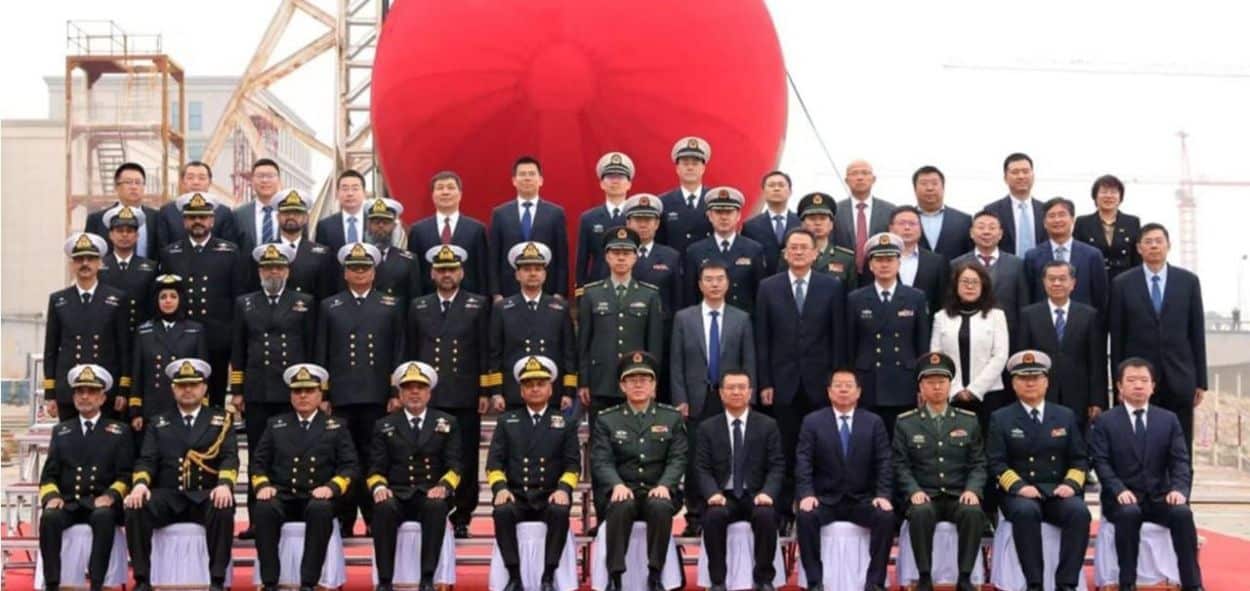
(885, 244)
(643, 205)
(817, 204)
(305, 375)
(123, 216)
(1029, 362)
(620, 238)
(273, 254)
(359, 254)
(935, 364)
(446, 256)
(724, 198)
(692, 147)
(84, 244)
(188, 370)
(638, 362)
(90, 375)
(615, 163)
(534, 367)
(383, 208)
(293, 202)
(195, 204)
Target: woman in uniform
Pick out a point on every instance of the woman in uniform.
(164, 338)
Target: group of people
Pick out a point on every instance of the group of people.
(851, 360)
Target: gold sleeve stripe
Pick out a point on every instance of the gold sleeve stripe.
(48, 489)
(375, 480)
(570, 380)
(579, 292)
(493, 476)
(236, 377)
(231, 475)
(1077, 476)
(49, 383)
(452, 478)
(483, 381)
(121, 487)
(1008, 479)
(140, 477)
(135, 401)
(124, 382)
(341, 482)
(569, 478)
(492, 379)
(259, 480)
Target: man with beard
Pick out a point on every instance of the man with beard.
(122, 268)
(311, 269)
(397, 274)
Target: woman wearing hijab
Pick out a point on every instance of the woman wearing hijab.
(164, 338)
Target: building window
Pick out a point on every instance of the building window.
(195, 116)
(174, 115)
(195, 150)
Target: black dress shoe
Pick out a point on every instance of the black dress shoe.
(1034, 588)
(716, 587)
(965, 584)
(307, 588)
(924, 583)
(816, 587)
(614, 583)
(654, 584)
(384, 587)
(764, 587)
(144, 586)
(461, 531)
(874, 587)
(216, 587)
(514, 584)
(693, 529)
(1064, 588)
(247, 534)
(426, 585)
(547, 585)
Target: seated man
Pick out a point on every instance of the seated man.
(1143, 464)
(84, 478)
(415, 468)
(301, 466)
(1036, 452)
(185, 473)
(939, 464)
(740, 466)
(844, 473)
(525, 437)
(638, 456)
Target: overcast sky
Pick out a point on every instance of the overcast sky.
(957, 85)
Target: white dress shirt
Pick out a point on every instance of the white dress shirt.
(531, 413)
(195, 414)
(363, 294)
(977, 254)
(719, 239)
(893, 289)
(1132, 418)
(520, 208)
(1041, 410)
(360, 225)
(95, 422)
(1163, 278)
(1067, 249)
(1065, 307)
(442, 300)
(807, 284)
(309, 418)
(850, 423)
(91, 291)
(421, 416)
(259, 218)
(697, 194)
(908, 264)
(931, 225)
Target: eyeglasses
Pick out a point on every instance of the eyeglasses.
(264, 176)
(137, 182)
(970, 282)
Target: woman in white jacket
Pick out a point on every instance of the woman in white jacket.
(973, 333)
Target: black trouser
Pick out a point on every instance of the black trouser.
(318, 518)
(658, 513)
(598, 403)
(166, 507)
(256, 415)
(994, 400)
(54, 522)
(889, 416)
(716, 520)
(1026, 517)
(922, 521)
(360, 419)
(390, 514)
(1183, 406)
(695, 500)
(219, 360)
(531, 507)
(790, 422)
(1179, 519)
(465, 501)
(862, 513)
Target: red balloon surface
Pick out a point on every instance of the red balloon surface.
(470, 85)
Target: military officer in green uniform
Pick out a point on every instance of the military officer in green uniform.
(939, 465)
(638, 456)
(817, 212)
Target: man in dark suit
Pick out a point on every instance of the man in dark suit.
(817, 212)
(684, 221)
(312, 269)
(348, 225)
(449, 226)
(799, 340)
(527, 218)
(738, 469)
(1020, 214)
(742, 256)
(122, 269)
(864, 214)
(657, 264)
(129, 182)
(398, 274)
(889, 327)
(769, 227)
(945, 230)
(615, 171)
(1142, 459)
(921, 269)
(1011, 287)
(196, 177)
(257, 220)
(1087, 263)
(1156, 314)
(707, 339)
(1072, 335)
(844, 473)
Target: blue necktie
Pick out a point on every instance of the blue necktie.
(713, 350)
(800, 295)
(266, 224)
(1060, 323)
(352, 236)
(1061, 254)
(141, 247)
(739, 460)
(1024, 238)
(527, 220)
(845, 434)
(1139, 429)
(779, 228)
(1156, 294)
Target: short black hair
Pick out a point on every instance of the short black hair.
(1108, 181)
(735, 371)
(772, 173)
(349, 173)
(1134, 362)
(843, 370)
(927, 169)
(786, 240)
(1016, 157)
(1054, 202)
(444, 175)
(526, 160)
(1151, 227)
(266, 162)
(985, 213)
(904, 209)
(200, 164)
(1051, 264)
(135, 166)
(712, 264)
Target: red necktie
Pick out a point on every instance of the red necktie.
(446, 235)
(861, 234)
(986, 260)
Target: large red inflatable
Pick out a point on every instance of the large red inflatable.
(470, 85)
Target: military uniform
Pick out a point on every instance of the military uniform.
(181, 465)
(312, 266)
(397, 273)
(1042, 451)
(135, 280)
(832, 259)
(295, 456)
(597, 220)
(744, 259)
(157, 343)
(411, 455)
(87, 459)
(684, 221)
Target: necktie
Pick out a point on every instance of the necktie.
(779, 228)
(724, 247)
(800, 294)
(360, 300)
(616, 213)
(885, 296)
(527, 220)
(273, 300)
(739, 460)
(620, 292)
(1037, 417)
(1060, 323)
(861, 233)
(1061, 254)
(1156, 294)
(986, 260)
(690, 200)
(266, 224)
(168, 325)
(445, 237)
(123, 266)
(446, 306)
(845, 434)
(352, 234)
(188, 420)
(713, 349)
(1024, 228)
(533, 306)
(416, 424)
(86, 297)
(1139, 429)
(642, 252)
(198, 248)
(87, 427)
(305, 424)
(536, 417)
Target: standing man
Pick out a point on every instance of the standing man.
(527, 218)
(309, 439)
(1071, 334)
(1011, 287)
(257, 219)
(185, 473)
(312, 266)
(121, 268)
(1156, 314)
(742, 256)
(844, 473)
(196, 177)
(945, 230)
(87, 323)
(129, 181)
(1037, 455)
(708, 339)
(1087, 263)
(939, 463)
(1143, 464)
(866, 213)
(348, 225)
(94, 446)
(414, 471)
(449, 331)
(530, 323)
(616, 171)
(739, 468)
(685, 221)
(397, 275)
(922, 269)
(1021, 215)
(638, 456)
(657, 264)
(818, 210)
(534, 434)
(889, 327)
(360, 333)
(448, 226)
(770, 226)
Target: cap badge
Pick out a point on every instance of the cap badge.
(622, 233)
(1028, 358)
(817, 200)
(126, 214)
(187, 370)
(86, 374)
(531, 251)
(692, 143)
(533, 364)
(413, 373)
(884, 240)
(84, 243)
(935, 358)
(197, 201)
(616, 159)
(637, 357)
(303, 375)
